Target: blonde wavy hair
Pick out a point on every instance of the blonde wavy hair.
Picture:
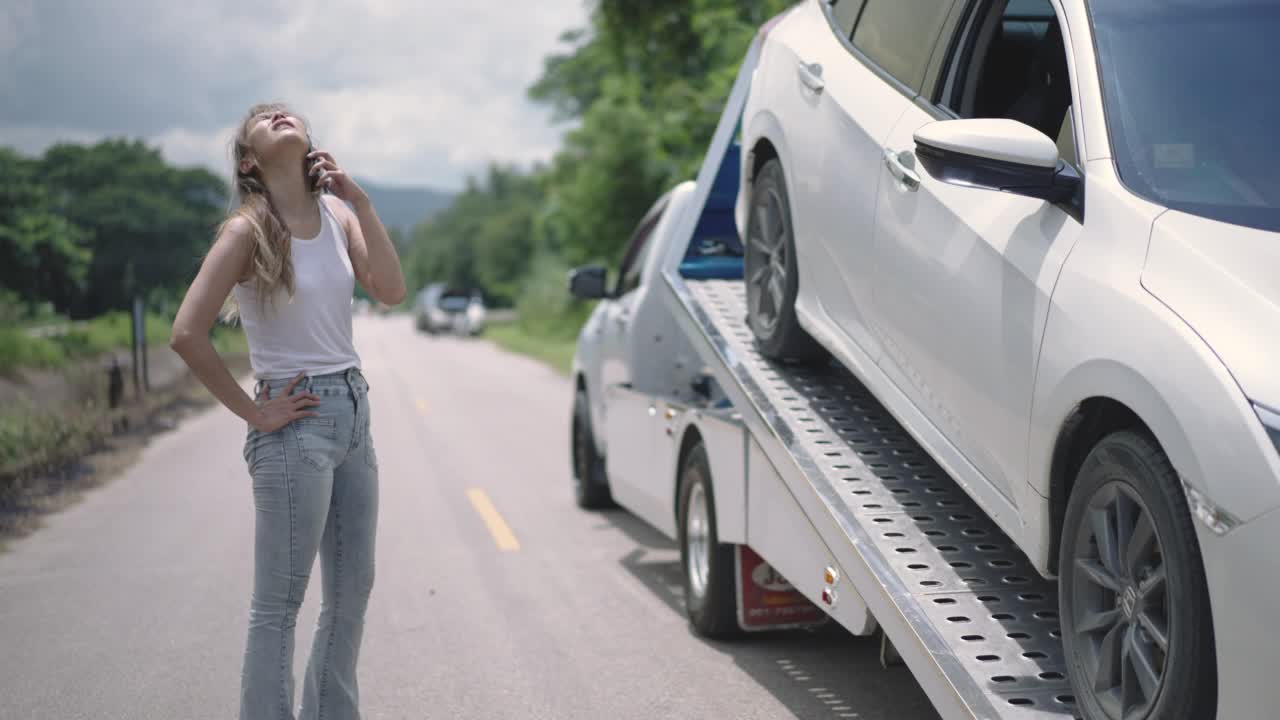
(271, 259)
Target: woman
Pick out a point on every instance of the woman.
(291, 255)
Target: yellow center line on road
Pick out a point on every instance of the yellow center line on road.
(502, 535)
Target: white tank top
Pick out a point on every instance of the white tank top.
(310, 333)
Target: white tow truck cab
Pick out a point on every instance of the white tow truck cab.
(680, 420)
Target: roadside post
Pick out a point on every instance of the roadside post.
(141, 378)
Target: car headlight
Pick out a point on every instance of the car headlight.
(1271, 421)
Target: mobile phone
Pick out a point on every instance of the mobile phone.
(307, 164)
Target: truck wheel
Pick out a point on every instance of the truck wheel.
(771, 273)
(706, 562)
(590, 484)
(1136, 624)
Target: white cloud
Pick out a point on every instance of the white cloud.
(182, 146)
(15, 24)
(401, 91)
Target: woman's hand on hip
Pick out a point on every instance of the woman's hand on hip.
(276, 412)
(326, 173)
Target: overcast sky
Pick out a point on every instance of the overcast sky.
(406, 92)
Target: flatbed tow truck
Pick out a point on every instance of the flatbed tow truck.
(802, 467)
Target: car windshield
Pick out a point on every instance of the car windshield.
(454, 303)
(1191, 101)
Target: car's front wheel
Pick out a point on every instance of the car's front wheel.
(1136, 623)
(590, 483)
(770, 269)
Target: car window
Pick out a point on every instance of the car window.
(629, 277)
(1012, 63)
(899, 35)
(632, 265)
(1067, 140)
(845, 14)
(1191, 102)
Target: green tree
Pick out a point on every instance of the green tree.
(43, 255)
(148, 223)
(644, 86)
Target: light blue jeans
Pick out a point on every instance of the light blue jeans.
(315, 490)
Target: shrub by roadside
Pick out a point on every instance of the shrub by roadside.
(548, 317)
(545, 308)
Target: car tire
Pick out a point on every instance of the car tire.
(706, 564)
(1134, 604)
(771, 275)
(590, 482)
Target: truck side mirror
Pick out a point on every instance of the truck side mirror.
(588, 282)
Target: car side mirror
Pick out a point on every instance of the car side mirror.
(588, 282)
(996, 154)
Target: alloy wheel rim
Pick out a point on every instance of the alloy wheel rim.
(767, 262)
(1121, 603)
(697, 541)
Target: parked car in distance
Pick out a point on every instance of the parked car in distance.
(441, 308)
(1099, 376)
(476, 314)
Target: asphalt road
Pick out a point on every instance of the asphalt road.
(133, 604)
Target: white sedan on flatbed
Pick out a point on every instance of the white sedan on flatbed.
(1046, 234)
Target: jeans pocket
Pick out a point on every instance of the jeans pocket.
(316, 439)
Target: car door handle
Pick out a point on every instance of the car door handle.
(811, 75)
(897, 164)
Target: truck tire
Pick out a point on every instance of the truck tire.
(707, 564)
(590, 483)
(1134, 605)
(772, 277)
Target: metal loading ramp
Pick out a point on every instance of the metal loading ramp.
(970, 616)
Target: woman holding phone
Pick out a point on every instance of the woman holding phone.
(291, 254)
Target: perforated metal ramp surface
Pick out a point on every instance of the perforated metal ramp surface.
(986, 619)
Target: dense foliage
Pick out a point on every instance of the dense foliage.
(643, 88)
(85, 228)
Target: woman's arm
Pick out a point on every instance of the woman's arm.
(220, 271)
(373, 256)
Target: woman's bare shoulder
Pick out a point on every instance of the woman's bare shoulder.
(234, 245)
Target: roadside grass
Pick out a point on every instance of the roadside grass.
(99, 335)
(50, 457)
(555, 351)
(34, 437)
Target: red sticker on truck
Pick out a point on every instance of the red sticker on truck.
(766, 601)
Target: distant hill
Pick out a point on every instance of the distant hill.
(404, 207)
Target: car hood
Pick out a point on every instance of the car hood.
(1224, 281)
